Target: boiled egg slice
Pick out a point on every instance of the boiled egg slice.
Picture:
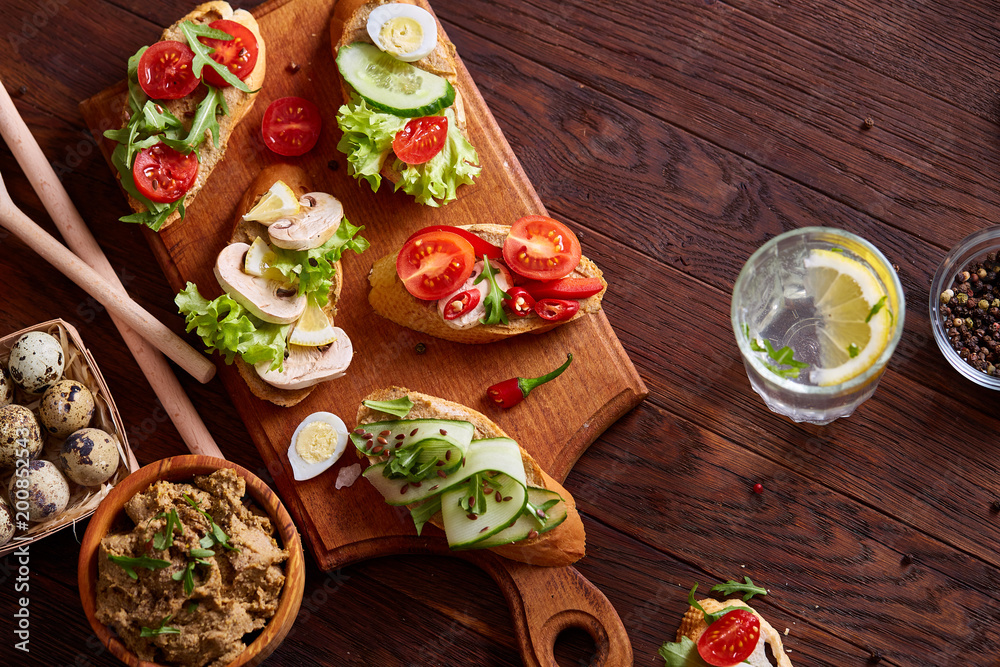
(316, 444)
(405, 31)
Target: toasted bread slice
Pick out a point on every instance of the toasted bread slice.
(246, 232)
(390, 299)
(239, 103)
(349, 24)
(563, 545)
(693, 625)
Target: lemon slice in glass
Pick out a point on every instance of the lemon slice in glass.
(277, 203)
(313, 329)
(856, 321)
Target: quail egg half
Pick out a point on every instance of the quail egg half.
(36, 361)
(317, 443)
(405, 31)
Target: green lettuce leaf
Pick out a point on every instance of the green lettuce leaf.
(367, 142)
(681, 654)
(226, 327)
(313, 270)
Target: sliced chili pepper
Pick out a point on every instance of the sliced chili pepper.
(510, 392)
(564, 288)
(556, 310)
(461, 303)
(520, 302)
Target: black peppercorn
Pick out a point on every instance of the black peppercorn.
(907, 559)
(874, 655)
(995, 507)
(420, 348)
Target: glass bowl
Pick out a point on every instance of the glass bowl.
(970, 248)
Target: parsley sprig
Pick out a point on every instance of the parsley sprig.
(494, 299)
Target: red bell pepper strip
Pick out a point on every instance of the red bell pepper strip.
(510, 392)
(479, 246)
(564, 288)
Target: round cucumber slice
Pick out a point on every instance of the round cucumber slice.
(392, 85)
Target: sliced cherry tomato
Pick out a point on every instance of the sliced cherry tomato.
(564, 288)
(420, 139)
(239, 54)
(730, 640)
(165, 71)
(434, 264)
(291, 126)
(556, 310)
(162, 174)
(520, 302)
(461, 303)
(479, 246)
(541, 248)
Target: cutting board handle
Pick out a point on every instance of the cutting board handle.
(544, 601)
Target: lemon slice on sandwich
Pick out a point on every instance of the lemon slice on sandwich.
(277, 203)
(856, 320)
(313, 328)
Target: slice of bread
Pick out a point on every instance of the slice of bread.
(239, 103)
(349, 24)
(246, 232)
(563, 545)
(693, 625)
(390, 299)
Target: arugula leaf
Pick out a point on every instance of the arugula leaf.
(681, 654)
(162, 629)
(205, 120)
(399, 407)
(187, 574)
(709, 618)
(165, 540)
(747, 587)
(136, 95)
(879, 305)
(494, 300)
(129, 564)
(474, 500)
(424, 511)
(202, 53)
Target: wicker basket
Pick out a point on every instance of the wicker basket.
(80, 366)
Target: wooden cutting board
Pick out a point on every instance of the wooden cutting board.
(556, 424)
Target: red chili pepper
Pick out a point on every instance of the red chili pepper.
(510, 392)
(520, 302)
(556, 310)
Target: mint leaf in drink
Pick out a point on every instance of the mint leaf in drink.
(879, 305)
(853, 350)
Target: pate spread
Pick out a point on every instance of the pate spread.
(184, 607)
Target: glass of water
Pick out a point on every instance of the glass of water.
(817, 313)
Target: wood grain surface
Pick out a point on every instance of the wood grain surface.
(677, 136)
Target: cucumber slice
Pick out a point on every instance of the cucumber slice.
(528, 522)
(392, 85)
(465, 529)
(417, 446)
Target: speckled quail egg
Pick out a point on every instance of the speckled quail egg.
(43, 487)
(405, 31)
(66, 406)
(89, 457)
(6, 387)
(6, 522)
(20, 435)
(36, 361)
(316, 444)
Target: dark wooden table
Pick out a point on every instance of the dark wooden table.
(677, 136)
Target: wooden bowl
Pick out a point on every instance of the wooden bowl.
(183, 468)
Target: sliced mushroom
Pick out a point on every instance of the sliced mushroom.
(319, 220)
(306, 366)
(269, 300)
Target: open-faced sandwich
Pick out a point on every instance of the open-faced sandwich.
(403, 116)
(458, 470)
(186, 94)
(281, 278)
(726, 633)
(483, 283)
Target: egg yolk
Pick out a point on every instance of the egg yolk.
(401, 35)
(316, 442)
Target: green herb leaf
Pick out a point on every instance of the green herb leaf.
(494, 300)
(165, 540)
(783, 357)
(879, 305)
(162, 629)
(399, 407)
(681, 654)
(218, 535)
(129, 564)
(192, 608)
(187, 574)
(747, 587)
(474, 492)
(201, 553)
(709, 618)
(853, 350)
(202, 53)
(424, 511)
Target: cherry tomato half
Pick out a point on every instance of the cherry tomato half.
(541, 248)
(239, 54)
(479, 246)
(162, 174)
(291, 126)
(165, 71)
(420, 139)
(564, 288)
(730, 640)
(462, 303)
(434, 264)
(520, 302)
(556, 310)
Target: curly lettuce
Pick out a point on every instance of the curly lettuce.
(313, 270)
(367, 142)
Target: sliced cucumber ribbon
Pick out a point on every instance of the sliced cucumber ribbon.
(417, 448)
